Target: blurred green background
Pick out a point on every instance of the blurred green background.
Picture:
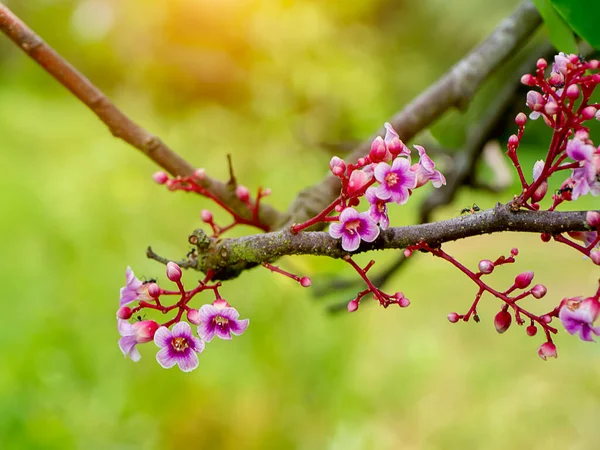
(266, 82)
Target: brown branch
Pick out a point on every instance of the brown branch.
(245, 252)
(454, 89)
(119, 124)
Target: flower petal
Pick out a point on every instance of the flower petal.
(188, 360)
(237, 327)
(163, 337)
(167, 357)
(381, 170)
(206, 313)
(368, 230)
(206, 331)
(229, 313)
(336, 230)
(196, 344)
(348, 214)
(223, 332)
(182, 329)
(127, 344)
(350, 242)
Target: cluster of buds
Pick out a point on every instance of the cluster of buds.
(562, 100)
(174, 338)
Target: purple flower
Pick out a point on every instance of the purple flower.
(353, 227)
(561, 63)
(578, 316)
(580, 151)
(378, 209)
(220, 319)
(395, 181)
(425, 170)
(133, 334)
(585, 180)
(134, 289)
(178, 347)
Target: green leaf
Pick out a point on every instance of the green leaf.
(560, 32)
(582, 16)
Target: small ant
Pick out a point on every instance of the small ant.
(566, 190)
(149, 280)
(472, 210)
(140, 317)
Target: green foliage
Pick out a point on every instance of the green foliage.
(560, 33)
(582, 16)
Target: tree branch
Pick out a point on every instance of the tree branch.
(119, 124)
(229, 257)
(454, 89)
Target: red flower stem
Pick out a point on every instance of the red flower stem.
(473, 308)
(273, 268)
(318, 218)
(564, 240)
(376, 292)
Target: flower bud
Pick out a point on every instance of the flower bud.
(221, 303)
(523, 279)
(547, 350)
(595, 257)
(514, 251)
(407, 253)
(531, 330)
(546, 237)
(242, 192)
(540, 192)
(535, 100)
(358, 179)
(594, 64)
(153, 290)
(551, 108)
(361, 161)
(353, 305)
(124, 312)
(193, 316)
(502, 321)
(538, 291)
(378, 150)
(528, 80)
(266, 192)
(453, 317)
(305, 282)
(573, 91)
(173, 272)
(206, 216)
(513, 140)
(589, 112)
(160, 177)
(144, 330)
(593, 219)
(538, 168)
(521, 118)
(199, 174)
(337, 166)
(541, 63)
(486, 266)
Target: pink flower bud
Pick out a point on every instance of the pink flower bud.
(486, 266)
(242, 192)
(538, 168)
(361, 162)
(546, 318)
(193, 316)
(521, 118)
(589, 113)
(305, 282)
(592, 218)
(339, 208)
(546, 237)
(535, 100)
(266, 192)
(153, 290)
(551, 108)
(594, 64)
(595, 257)
(531, 330)
(453, 317)
(547, 350)
(353, 305)
(206, 216)
(358, 179)
(540, 192)
(220, 303)
(541, 63)
(160, 177)
(514, 251)
(528, 80)
(538, 291)
(502, 321)
(144, 330)
(200, 174)
(407, 253)
(378, 150)
(124, 312)
(523, 279)
(573, 91)
(337, 166)
(173, 272)
(513, 140)
(403, 302)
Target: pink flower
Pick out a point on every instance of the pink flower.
(134, 289)
(393, 143)
(358, 180)
(395, 181)
(353, 227)
(578, 316)
(425, 170)
(220, 319)
(536, 102)
(133, 334)
(580, 151)
(178, 347)
(561, 63)
(378, 209)
(547, 350)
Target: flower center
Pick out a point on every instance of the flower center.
(179, 344)
(221, 321)
(391, 179)
(573, 304)
(381, 206)
(352, 226)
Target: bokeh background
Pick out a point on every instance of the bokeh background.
(280, 85)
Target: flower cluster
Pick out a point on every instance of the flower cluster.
(174, 338)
